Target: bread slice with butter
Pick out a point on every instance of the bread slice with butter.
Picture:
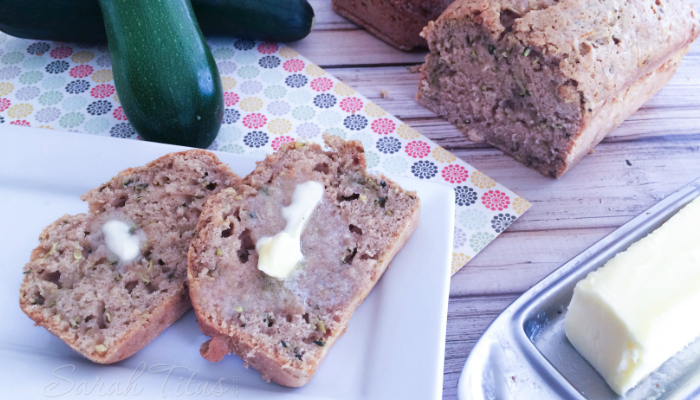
(109, 281)
(279, 312)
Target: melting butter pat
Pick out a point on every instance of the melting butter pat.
(639, 309)
(120, 241)
(279, 255)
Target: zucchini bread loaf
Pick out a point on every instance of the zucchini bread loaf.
(281, 263)
(397, 22)
(110, 281)
(546, 80)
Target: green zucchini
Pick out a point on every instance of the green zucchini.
(275, 20)
(81, 20)
(65, 21)
(164, 73)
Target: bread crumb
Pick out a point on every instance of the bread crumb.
(414, 69)
(384, 93)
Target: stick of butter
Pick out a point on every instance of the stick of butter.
(639, 309)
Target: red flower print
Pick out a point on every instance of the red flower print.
(230, 99)
(268, 48)
(254, 121)
(61, 52)
(351, 104)
(102, 91)
(119, 114)
(383, 126)
(321, 84)
(417, 149)
(455, 173)
(279, 141)
(294, 65)
(81, 71)
(495, 200)
(20, 122)
(4, 104)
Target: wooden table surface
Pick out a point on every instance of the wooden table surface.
(655, 152)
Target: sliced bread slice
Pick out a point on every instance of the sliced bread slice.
(107, 308)
(284, 327)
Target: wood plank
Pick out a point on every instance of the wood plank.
(327, 19)
(467, 318)
(331, 48)
(515, 261)
(602, 190)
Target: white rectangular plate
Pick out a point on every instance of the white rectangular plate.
(393, 348)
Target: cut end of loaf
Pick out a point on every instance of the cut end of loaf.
(102, 307)
(503, 91)
(285, 328)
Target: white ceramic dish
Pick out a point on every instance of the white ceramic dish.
(393, 348)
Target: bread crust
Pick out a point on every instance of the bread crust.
(614, 111)
(137, 338)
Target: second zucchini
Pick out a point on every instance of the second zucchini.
(81, 20)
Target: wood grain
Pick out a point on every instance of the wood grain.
(467, 317)
(661, 141)
(327, 19)
(337, 48)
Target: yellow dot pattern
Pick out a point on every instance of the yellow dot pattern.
(373, 110)
(82, 57)
(458, 261)
(102, 76)
(482, 181)
(406, 132)
(279, 126)
(342, 89)
(251, 104)
(443, 156)
(20, 110)
(520, 205)
(6, 88)
(287, 52)
(314, 70)
(228, 83)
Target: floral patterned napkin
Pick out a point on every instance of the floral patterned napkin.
(273, 96)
